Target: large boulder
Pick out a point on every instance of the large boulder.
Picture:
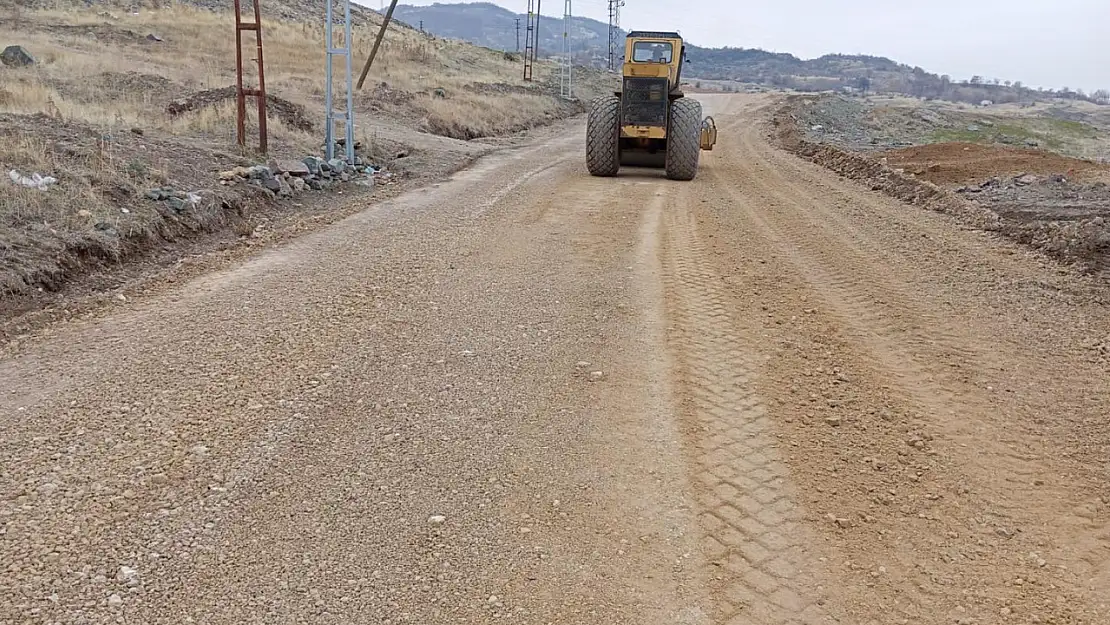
(16, 56)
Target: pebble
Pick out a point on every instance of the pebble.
(833, 421)
(437, 519)
(115, 600)
(126, 573)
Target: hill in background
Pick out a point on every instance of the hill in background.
(487, 24)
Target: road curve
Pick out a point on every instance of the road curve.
(528, 395)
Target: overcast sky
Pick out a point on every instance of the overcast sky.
(1044, 43)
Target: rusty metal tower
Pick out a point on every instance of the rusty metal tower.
(242, 92)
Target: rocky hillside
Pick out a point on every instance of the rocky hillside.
(490, 25)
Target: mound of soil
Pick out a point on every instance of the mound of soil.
(293, 115)
(1065, 221)
(961, 163)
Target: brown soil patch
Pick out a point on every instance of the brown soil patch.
(293, 115)
(961, 163)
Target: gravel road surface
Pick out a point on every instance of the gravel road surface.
(526, 395)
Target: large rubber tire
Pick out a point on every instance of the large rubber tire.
(683, 146)
(603, 127)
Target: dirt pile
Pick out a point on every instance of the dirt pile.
(293, 115)
(1084, 242)
(961, 163)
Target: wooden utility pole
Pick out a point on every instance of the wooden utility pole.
(377, 42)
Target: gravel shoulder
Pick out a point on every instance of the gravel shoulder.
(392, 416)
(766, 396)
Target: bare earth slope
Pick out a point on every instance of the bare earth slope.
(532, 396)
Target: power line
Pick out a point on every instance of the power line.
(529, 40)
(566, 73)
(614, 30)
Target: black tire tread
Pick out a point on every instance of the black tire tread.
(683, 145)
(603, 136)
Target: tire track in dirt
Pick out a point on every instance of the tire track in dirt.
(753, 528)
(941, 369)
(953, 369)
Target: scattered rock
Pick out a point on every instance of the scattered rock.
(126, 574)
(115, 600)
(314, 165)
(1025, 179)
(293, 168)
(16, 56)
(272, 184)
(337, 165)
(153, 37)
(437, 519)
(260, 172)
(234, 174)
(35, 180)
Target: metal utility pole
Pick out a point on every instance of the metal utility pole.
(421, 25)
(347, 116)
(566, 71)
(241, 92)
(529, 40)
(536, 47)
(614, 31)
(518, 34)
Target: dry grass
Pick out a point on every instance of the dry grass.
(92, 113)
(79, 48)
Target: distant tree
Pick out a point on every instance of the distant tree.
(1102, 96)
(976, 80)
(1007, 83)
(863, 83)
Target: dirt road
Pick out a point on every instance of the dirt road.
(531, 396)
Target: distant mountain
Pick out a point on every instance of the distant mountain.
(492, 26)
(487, 24)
